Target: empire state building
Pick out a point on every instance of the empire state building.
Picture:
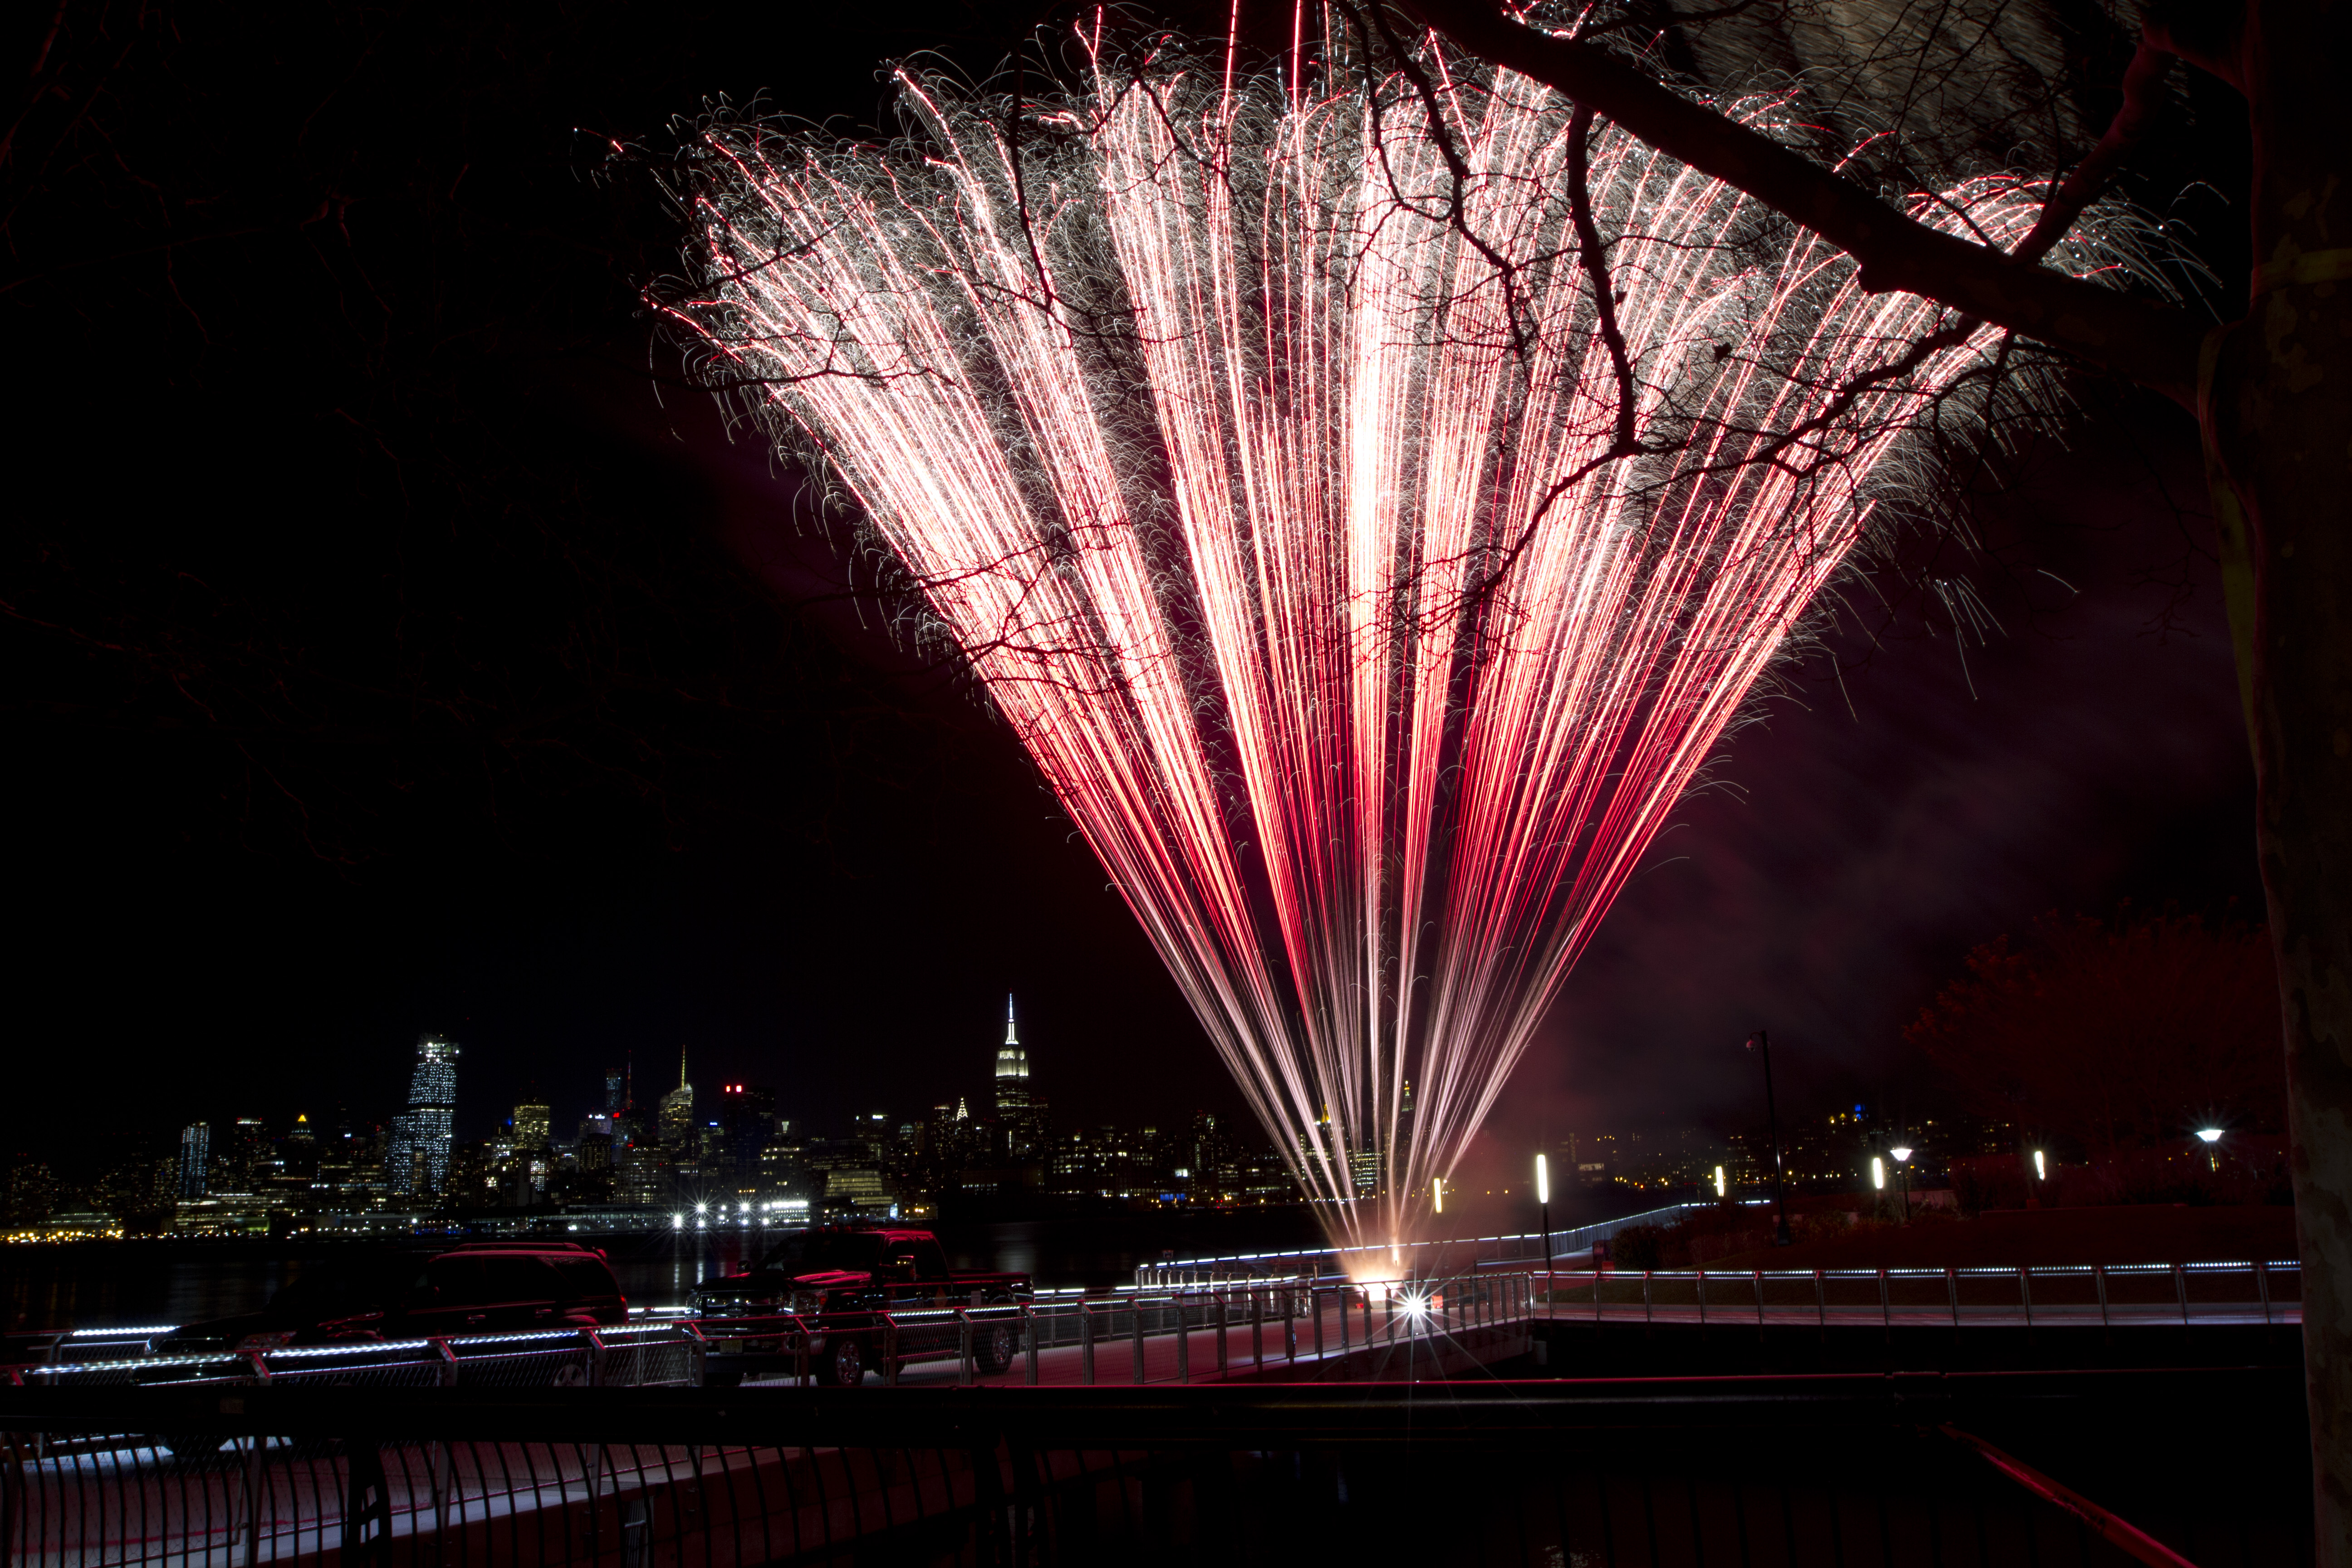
(1012, 1069)
(1019, 1112)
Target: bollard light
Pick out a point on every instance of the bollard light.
(1878, 1173)
(1718, 1182)
(2041, 1167)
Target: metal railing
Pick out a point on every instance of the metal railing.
(1897, 1469)
(2108, 1295)
(1403, 1259)
(1144, 1336)
(1127, 1337)
(635, 1355)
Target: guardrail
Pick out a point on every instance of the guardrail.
(1404, 1260)
(1897, 1471)
(1132, 1337)
(618, 1356)
(2109, 1295)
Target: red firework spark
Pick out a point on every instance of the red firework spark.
(1264, 472)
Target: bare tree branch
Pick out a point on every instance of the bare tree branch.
(2155, 345)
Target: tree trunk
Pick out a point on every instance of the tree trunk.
(2278, 417)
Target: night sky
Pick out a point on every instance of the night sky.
(393, 645)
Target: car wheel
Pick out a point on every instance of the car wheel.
(996, 1346)
(843, 1365)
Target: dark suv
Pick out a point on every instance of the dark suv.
(484, 1287)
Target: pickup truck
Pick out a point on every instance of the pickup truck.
(843, 1279)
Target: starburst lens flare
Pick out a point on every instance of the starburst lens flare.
(1270, 477)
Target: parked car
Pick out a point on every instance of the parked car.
(485, 1287)
(843, 1278)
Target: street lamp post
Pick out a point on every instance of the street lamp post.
(1543, 1202)
(1902, 1153)
(1761, 1045)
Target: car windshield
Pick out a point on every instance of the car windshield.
(810, 1251)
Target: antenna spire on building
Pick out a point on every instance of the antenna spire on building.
(1012, 1034)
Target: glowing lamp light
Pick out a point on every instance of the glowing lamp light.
(1718, 1182)
(1878, 1173)
(1901, 1152)
(1543, 1180)
(1416, 1307)
(1437, 1186)
(2041, 1167)
(678, 1221)
(2209, 1134)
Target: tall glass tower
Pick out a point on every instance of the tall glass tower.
(417, 1160)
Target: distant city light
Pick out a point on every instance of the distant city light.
(1878, 1173)
(2211, 1134)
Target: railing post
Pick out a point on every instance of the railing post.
(2262, 1291)
(890, 1352)
(1821, 1305)
(1341, 1298)
(595, 1348)
(1217, 1304)
(1183, 1340)
(1885, 1308)
(1649, 1310)
(2180, 1290)
(1596, 1290)
(1289, 1324)
(1135, 1324)
(2025, 1294)
(1029, 1338)
(250, 1549)
(1702, 1303)
(1315, 1310)
(1085, 1342)
(800, 1352)
(448, 1359)
(1952, 1292)
(1258, 1330)
(2099, 1278)
(1755, 1277)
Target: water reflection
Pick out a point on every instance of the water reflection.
(115, 1284)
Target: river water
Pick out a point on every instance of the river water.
(95, 1285)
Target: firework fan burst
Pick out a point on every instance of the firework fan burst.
(1281, 482)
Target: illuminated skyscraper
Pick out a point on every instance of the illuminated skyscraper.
(195, 1160)
(1020, 1113)
(1011, 1067)
(418, 1163)
(677, 1109)
(532, 1124)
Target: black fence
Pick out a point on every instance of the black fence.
(2203, 1466)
